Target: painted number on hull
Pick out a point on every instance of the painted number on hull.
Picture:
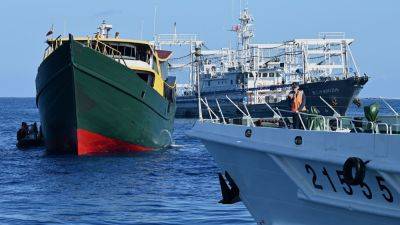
(346, 188)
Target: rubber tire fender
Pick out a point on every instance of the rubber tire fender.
(359, 165)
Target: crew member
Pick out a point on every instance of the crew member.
(34, 130)
(149, 57)
(297, 100)
(23, 131)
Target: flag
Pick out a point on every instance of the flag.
(235, 27)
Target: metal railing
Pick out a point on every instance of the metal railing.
(340, 123)
(92, 43)
(57, 42)
(105, 49)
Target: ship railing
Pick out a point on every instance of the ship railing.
(105, 49)
(375, 128)
(299, 114)
(92, 43)
(332, 35)
(213, 116)
(216, 119)
(57, 42)
(246, 115)
(385, 125)
(340, 124)
(176, 39)
(393, 129)
(220, 111)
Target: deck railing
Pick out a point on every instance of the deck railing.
(57, 42)
(105, 49)
(335, 123)
(93, 43)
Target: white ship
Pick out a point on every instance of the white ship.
(255, 73)
(336, 171)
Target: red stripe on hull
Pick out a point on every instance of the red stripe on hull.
(90, 143)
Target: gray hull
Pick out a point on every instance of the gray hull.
(338, 93)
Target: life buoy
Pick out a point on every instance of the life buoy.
(358, 166)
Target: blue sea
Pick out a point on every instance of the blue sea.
(178, 185)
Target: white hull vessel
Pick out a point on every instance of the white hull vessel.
(290, 176)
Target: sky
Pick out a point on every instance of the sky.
(373, 24)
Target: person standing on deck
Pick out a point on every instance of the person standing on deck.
(149, 57)
(297, 100)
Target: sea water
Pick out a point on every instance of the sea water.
(178, 185)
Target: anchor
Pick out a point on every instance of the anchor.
(230, 195)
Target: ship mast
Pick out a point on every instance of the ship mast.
(244, 30)
(245, 33)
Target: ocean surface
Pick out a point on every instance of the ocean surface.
(178, 185)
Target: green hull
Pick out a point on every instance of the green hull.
(89, 104)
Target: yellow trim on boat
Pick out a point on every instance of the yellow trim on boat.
(158, 81)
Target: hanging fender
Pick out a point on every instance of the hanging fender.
(354, 171)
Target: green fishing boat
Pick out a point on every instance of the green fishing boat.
(104, 94)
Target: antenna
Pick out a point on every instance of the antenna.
(65, 27)
(154, 21)
(175, 28)
(141, 29)
(231, 22)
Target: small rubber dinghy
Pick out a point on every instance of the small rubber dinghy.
(29, 136)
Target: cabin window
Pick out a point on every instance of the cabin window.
(127, 51)
(147, 77)
(134, 53)
(271, 74)
(231, 81)
(121, 49)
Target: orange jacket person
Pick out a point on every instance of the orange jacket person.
(297, 100)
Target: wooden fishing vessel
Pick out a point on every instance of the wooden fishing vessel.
(104, 94)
